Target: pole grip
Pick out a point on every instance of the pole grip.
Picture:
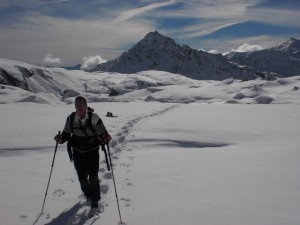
(106, 157)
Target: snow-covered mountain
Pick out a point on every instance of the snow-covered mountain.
(291, 47)
(283, 59)
(21, 82)
(158, 52)
(48, 83)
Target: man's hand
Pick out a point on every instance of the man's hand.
(58, 138)
(106, 138)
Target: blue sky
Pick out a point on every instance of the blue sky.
(63, 32)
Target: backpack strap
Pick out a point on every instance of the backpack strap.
(72, 118)
(89, 122)
(71, 121)
(69, 145)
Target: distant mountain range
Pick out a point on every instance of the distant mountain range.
(161, 53)
(283, 59)
(158, 52)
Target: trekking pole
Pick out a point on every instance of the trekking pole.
(38, 217)
(112, 172)
(50, 174)
(106, 158)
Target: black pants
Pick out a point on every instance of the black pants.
(87, 167)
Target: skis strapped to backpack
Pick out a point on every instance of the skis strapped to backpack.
(89, 123)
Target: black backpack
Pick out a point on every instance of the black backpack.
(89, 123)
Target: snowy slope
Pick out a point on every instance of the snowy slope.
(158, 52)
(26, 83)
(174, 164)
(39, 82)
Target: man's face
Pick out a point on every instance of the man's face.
(80, 107)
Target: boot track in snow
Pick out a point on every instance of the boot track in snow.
(79, 213)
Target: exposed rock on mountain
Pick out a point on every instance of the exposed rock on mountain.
(283, 59)
(158, 52)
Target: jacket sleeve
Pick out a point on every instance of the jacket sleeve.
(66, 134)
(98, 125)
(67, 127)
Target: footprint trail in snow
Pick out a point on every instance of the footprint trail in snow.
(119, 144)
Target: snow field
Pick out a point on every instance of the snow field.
(173, 164)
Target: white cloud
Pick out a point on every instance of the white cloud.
(230, 44)
(199, 30)
(275, 16)
(137, 11)
(212, 16)
(213, 51)
(219, 14)
(70, 39)
(91, 61)
(49, 59)
(109, 34)
(51, 2)
(248, 48)
(209, 10)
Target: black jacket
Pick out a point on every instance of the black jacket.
(83, 133)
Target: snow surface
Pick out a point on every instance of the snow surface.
(206, 162)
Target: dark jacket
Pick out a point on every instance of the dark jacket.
(83, 137)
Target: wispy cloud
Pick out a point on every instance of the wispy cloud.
(70, 39)
(203, 29)
(55, 1)
(212, 16)
(108, 27)
(208, 16)
(137, 11)
(275, 16)
(209, 9)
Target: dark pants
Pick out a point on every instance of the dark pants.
(87, 167)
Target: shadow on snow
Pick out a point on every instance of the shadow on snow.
(71, 216)
(180, 143)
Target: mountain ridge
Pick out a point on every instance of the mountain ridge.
(283, 59)
(158, 52)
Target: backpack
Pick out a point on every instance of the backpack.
(89, 123)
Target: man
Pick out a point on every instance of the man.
(86, 132)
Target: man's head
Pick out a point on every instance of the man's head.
(80, 106)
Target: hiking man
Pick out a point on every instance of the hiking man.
(86, 131)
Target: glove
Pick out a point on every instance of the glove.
(58, 138)
(106, 138)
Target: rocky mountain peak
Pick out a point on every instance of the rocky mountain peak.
(283, 59)
(158, 52)
(156, 38)
(154, 41)
(291, 46)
